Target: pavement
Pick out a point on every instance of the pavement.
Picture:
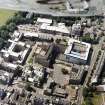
(96, 49)
(103, 97)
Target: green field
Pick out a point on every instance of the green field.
(5, 15)
(97, 99)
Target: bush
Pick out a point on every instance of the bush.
(4, 34)
(1, 43)
(88, 101)
(28, 87)
(86, 38)
(85, 92)
(64, 71)
(11, 27)
(58, 41)
(99, 53)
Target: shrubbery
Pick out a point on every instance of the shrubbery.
(88, 94)
(10, 26)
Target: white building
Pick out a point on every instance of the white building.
(34, 75)
(76, 29)
(44, 20)
(85, 5)
(77, 52)
(17, 36)
(16, 53)
(73, 6)
(30, 35)
(59, 29)
(7, 66)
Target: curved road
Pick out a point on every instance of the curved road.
(32, 6)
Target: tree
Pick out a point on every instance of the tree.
(4, 34)
(64, 71)
(88, 101)
(4, 27)
(85, 92)
(103, 74)
(58, 41)
(87, 38)
(9, 21)
(11, 27)
(1, 43)
(88, 94)
(74, 104)
(92, 88)
(28, 87)
(23, 14)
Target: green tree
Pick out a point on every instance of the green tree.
(11, 27)
(85, 92)
(88, 101)
(1, 43)
(4, 27)
(4, 34)
(28, 87)
(87, 38)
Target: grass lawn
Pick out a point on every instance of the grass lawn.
(97, 99)
(5, 15)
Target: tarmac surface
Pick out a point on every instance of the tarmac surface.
(96, 8)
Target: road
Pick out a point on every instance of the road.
(103, 98)
(33, 6)
(96, 49)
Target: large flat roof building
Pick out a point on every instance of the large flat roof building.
(8, 66)
(77, 51)
(44, 20)
(60, 28)
(76, 74)
(16, 53)
(46, 54)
